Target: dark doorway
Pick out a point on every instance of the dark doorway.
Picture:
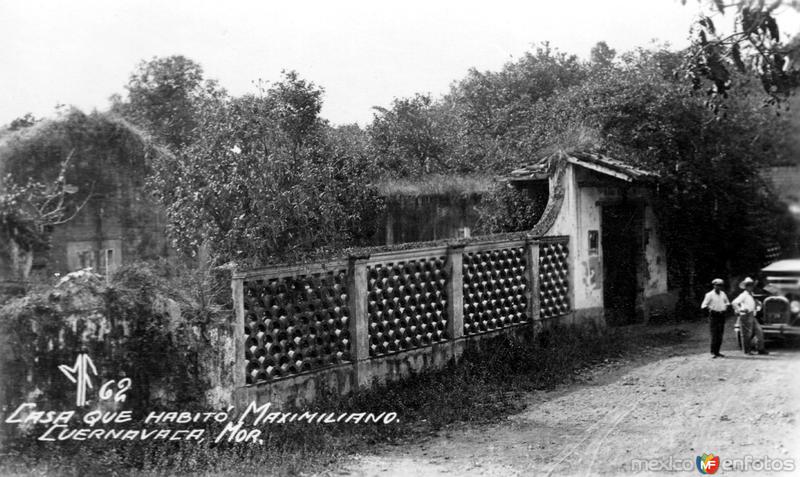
(621, 232)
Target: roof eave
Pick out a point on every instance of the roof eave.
(601, 169)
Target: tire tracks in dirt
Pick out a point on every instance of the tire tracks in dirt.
(671, 403)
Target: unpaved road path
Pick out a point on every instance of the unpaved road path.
(668, 406)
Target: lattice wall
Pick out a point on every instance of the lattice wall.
(407, 304)
(554, 279)
(495, 289)
(295, 324)
(297, 318)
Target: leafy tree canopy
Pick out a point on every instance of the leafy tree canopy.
(163, 97)
(754, 44)
(51, 168)
(601, 54)
(267, 180)
(716, 211)
(478, 126)
(104, 151)
(410, 137)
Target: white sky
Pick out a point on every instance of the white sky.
(364, 53)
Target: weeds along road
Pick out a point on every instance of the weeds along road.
(666, 405)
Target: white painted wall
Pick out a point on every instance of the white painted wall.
(581, 213)
(589, 266)
(566, 224)
(566, 221)
(656, 256)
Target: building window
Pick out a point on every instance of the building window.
(594, 242)
(86, 259)
(104, 258)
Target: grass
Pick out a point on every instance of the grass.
(451, 186)
(484, 386)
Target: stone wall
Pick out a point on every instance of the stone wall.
(128, 330)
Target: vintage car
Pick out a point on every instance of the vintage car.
(780, 312)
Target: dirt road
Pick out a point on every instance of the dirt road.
(666, 407)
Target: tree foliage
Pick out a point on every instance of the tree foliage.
(480, 125)
(267, 180)
(125, 326)
(163, 97)
(24, 121)
(754, 45)
(509, 209)
(602, 55)
(294, 105)
(409, 136)
(52, 168)
(104, 149)
(262, 178)
(632, 106)
(716, 211)
(497, 110)
(29, 211)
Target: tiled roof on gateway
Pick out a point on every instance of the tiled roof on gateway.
(590, 160)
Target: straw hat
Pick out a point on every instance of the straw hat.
(747, 281)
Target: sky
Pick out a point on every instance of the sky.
(363, 53)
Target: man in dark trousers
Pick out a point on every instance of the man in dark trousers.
(746, 307)
(716, 304)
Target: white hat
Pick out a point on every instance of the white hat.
(746, 281)
(717, 281)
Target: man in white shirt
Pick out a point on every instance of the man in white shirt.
(716, 304)
(746, 307)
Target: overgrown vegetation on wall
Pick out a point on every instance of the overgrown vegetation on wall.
(137, 326)
(52, 170)
(718, 216)
(262, 178)
(487, 384)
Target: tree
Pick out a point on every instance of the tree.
(601, 54)
(347, 150)
(710, 185)
(163, 96)
(496, 104)
(294, 104)
(496, 124)
(28, 212)
(22, 122)
(409, 137)
(483, 124)
(104, 148)
(266, 180)
(754, 45)
(55, 167)
(716, 212)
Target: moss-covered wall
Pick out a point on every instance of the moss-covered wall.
(107, 164)
(176, 354)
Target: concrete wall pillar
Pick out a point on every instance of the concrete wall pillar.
(359, 319)
(239, 335)
(532, 259)
(455, 292)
